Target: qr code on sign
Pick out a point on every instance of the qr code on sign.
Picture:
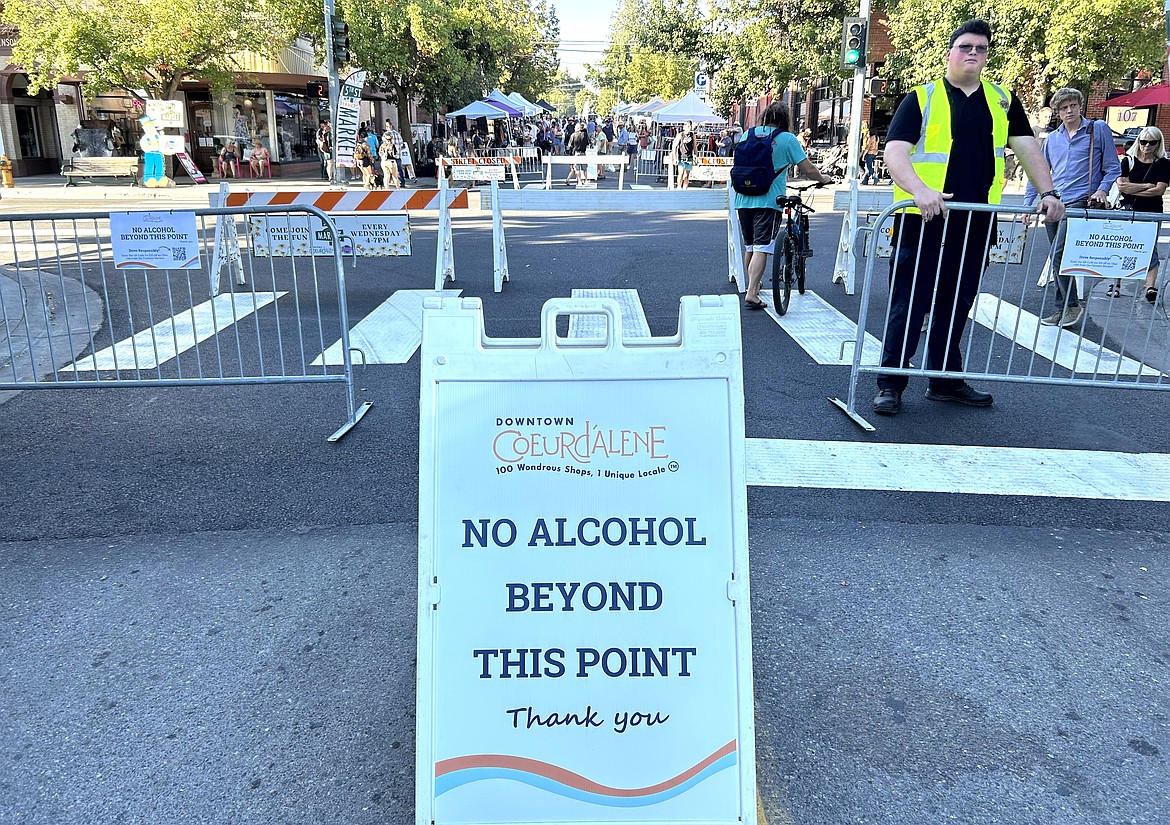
(1129, 263)
(178, 254)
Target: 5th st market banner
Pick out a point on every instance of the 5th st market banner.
(583, 651)
(349, 105)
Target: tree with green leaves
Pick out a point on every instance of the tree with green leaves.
(147, 46)
(1036, 47)
(747, 46)
(641, 62)
(443, 52)
(586, 98)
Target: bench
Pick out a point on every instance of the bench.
(100, 168)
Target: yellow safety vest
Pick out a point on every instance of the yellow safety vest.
(933, 151)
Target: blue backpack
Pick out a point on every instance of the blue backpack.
(752, 172)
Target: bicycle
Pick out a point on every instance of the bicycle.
(789, 263)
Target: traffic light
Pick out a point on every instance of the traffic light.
(341, 43)
(316, 88)
(853, 36)
(879, 86)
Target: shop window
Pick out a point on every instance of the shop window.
(243, 119)
(296, 128)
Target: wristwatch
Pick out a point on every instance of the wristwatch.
(1050, 193)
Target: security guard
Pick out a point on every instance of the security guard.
(946, 142)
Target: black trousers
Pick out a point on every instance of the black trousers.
(942, 278)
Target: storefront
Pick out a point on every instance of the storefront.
(33, 141)
(282, 120)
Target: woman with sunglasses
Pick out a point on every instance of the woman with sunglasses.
(1145, 173)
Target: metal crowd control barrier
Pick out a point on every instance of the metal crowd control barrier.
(1005, 340)
(483, 168)
(79, 314)
(652, 163)
(526, 157)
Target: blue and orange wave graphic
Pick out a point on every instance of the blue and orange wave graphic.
(463, 770)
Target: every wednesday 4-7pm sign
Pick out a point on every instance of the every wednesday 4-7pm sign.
(584, 648)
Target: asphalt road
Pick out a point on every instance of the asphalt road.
(207, 611)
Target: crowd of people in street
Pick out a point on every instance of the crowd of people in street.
(659, 145)
(384, 160)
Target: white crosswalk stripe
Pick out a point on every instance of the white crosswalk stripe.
(167, 339)
(823, 332)
(935, 468)
(1062, 346)
(390, 334)
(634, 323)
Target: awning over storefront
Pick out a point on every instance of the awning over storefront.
(1149, 96)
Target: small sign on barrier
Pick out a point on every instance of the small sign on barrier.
(1108, 248)
(1009, 243)
(584, 635)
(374, 235)
(490, 171)
(154, 240)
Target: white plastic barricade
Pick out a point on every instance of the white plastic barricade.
(637, 200)
(584, 644)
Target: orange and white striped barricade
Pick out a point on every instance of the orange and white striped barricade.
(485, 168)
(356, 203)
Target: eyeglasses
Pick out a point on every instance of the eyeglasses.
(971, 48)
(1149, 142)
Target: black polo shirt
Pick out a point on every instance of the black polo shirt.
(971, 169)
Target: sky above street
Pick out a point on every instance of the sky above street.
(584, 30)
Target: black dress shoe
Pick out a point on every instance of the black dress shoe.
(887, 402)
(962, 394)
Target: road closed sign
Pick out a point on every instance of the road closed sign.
(584, 640)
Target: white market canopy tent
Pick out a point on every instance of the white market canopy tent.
(652, 105)
(480, 109)
(690, 107)
(501, 100)
(529, 109)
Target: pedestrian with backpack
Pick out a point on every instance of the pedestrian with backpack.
(759, 176)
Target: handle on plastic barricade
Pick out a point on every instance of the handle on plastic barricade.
(556, 307)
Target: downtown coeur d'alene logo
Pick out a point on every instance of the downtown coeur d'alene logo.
(561, 444)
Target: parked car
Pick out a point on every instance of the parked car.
(1125, 139)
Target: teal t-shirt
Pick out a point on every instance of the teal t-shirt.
(785, 152)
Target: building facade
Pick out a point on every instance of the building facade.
(276, 103)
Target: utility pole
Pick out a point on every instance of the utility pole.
(845, 269)
(335, 87)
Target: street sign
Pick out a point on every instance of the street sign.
(701, 83)
(584, 640)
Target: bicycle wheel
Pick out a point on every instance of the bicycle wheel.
(800, 262)
(782, 273)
